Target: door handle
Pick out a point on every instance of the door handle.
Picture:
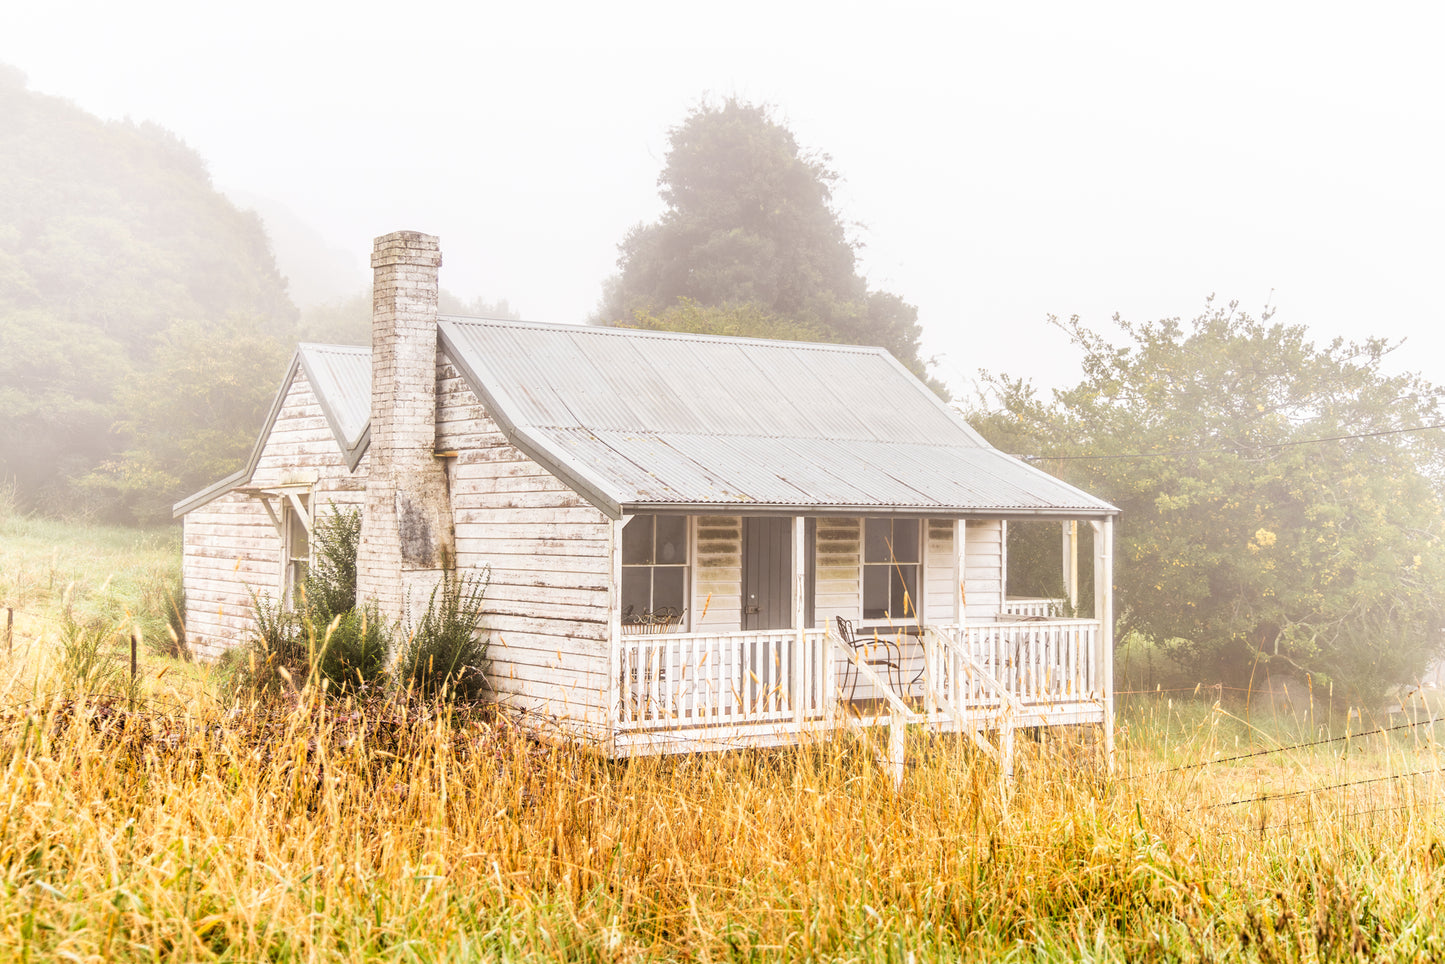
(752, 610)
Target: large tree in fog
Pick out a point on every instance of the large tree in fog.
(750, 233)
(1278, 506)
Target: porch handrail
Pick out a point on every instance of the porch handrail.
(952, 647)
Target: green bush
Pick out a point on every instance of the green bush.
(275, 653)
(352, 648)
(330, 585)
(322, 635)
(445, 654)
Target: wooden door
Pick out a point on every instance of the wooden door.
(767, 572)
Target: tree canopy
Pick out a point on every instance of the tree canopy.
(110, 233)
(750, 227)
(1281, 500)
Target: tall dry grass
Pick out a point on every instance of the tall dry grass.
(388, 831)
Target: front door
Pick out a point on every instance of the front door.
(767, 573)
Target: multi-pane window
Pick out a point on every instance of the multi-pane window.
(654, 570)
(297, 550)
(891, 562)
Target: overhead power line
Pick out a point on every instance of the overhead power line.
(1218, 451)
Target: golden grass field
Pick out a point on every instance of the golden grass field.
(166, 824)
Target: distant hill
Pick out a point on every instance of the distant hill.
(110, 234)
(316, 272)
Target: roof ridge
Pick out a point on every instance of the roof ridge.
(327, 346)
(623, 331)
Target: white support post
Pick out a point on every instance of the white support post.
(614, 632)
(1104, 612)
(800, 617)
(1003, 562)
(897, 746)
(1071, 562)
(274, 516)
(960, 569)
(1006, 752)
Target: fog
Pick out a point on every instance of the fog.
(1001, 165)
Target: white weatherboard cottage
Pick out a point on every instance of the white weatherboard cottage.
(673, 525)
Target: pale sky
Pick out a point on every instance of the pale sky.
(1004, 161)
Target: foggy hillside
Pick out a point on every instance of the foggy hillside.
(114, 246)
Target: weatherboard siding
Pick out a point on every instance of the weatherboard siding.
(230, 549)
(837, 578)
(984, 561)
(940, 580)
(548, 557)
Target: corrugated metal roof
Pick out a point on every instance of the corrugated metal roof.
(340, 377)
(634, 419)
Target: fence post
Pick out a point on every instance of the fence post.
(9, 630)
(897, 743)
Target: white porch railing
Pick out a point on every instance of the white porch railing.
(689, 680)
(1038, 663)
(1033, 607)
(674, 681)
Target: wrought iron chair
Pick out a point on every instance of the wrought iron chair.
(663, 619)
(876, 651)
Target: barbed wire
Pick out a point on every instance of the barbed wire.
(1270, 797)
(1283, 749)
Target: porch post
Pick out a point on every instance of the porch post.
(960, 569)
(1071, 562)
(800, 615)
(614, 633)
(1104, 612)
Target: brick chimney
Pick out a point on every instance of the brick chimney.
(407, 538)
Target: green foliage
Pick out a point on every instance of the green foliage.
(57, 401)
(750, 222)
(324, 635)
(1242, 539)
(192, 420)
(331, 580)
(350, 652)
(162, 616)
(91, 653)
(109, 232)
(445, 656)
(274, 655)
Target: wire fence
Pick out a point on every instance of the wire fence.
(1306, 793)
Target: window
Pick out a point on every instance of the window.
(654, 571)
(296, 551)
(891, 562)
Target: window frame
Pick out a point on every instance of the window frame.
(295, 568)
(915, 596)
(685, 566)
